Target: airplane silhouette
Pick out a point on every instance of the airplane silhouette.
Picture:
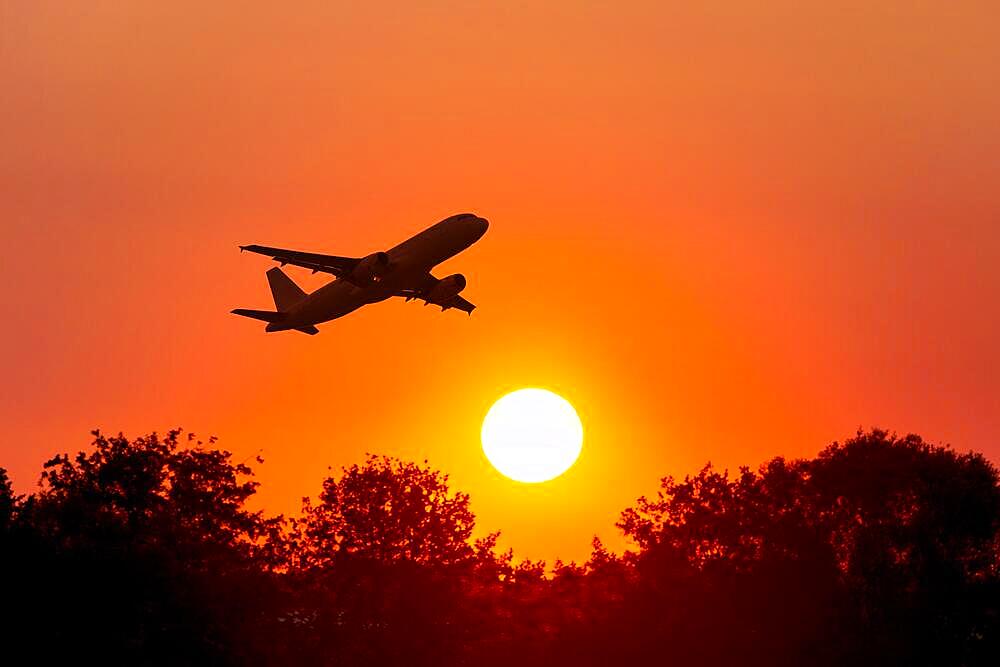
(402, 271)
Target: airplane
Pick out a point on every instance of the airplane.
(358, 281)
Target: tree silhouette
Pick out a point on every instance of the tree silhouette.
(385, 559)
(138, 551)
(914, 528)
(880, 550)
(8, 502)
(387, 511)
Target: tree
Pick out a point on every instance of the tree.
(8, 503)
(388, 511)
(915, 530)
(142, 551)
(881, 550)
(384, 561)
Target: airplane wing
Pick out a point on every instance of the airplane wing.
(455, 302)
(331, 264)
(421, 290)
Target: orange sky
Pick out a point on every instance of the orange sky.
(723, 230)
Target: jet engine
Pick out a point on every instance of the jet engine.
(370, 269)
(446, 288)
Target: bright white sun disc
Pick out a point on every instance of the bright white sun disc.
(532, 435)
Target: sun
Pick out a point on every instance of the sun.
(532, 435)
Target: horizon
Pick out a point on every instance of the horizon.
(617, 543)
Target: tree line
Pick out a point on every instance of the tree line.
(881, 550)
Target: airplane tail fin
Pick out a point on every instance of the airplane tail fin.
(285, 292)
(265, 315)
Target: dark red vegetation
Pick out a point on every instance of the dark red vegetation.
(879, 551)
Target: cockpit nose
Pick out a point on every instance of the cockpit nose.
(474, 222)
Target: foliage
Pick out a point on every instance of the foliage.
(140, 551)
(880, 550)
(387, 511)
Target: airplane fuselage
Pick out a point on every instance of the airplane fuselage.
(407, 262)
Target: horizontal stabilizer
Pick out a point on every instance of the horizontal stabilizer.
(311, 330)
(265, 315)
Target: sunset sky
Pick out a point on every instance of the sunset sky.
(724, 231)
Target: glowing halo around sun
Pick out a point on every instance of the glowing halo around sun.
(532, 435)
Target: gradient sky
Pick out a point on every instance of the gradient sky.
(723, 230)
